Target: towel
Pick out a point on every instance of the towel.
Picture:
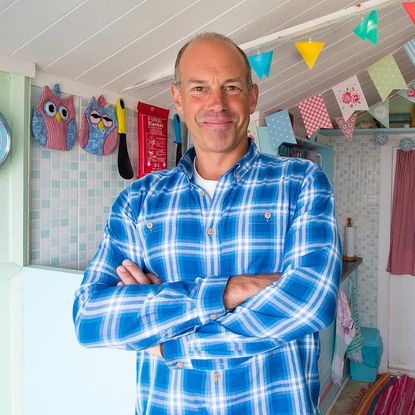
(345, 331)
(354, 351)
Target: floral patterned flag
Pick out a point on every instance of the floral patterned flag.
(409, 93)
(347, 126)
(314, 113)
(381, 112)
(350, 97)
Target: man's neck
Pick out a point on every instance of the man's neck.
(211, 166)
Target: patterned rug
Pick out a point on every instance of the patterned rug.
(389, 395)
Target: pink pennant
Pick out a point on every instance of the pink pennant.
(347, 126)
(315, 115)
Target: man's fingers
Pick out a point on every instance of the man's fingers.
(153, 278)
(125, 276)
(135, 272)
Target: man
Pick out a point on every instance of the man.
(220, 272)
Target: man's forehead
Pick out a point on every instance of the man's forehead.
(212, 53)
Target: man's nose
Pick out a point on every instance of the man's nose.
(217, 100)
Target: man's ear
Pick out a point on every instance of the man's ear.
(177, 99)
(253, 98)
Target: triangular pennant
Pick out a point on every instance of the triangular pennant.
(410, 50)
(409, 93)
(253, 133)
(381, 112)
(310, 51)
(314, 114)
(280, 129)
(386, 76)
(350, 97)
(261, 63)
(265, 142)
(368, 28)
(347, 126)
(410, 9)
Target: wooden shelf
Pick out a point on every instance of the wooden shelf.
(366, 131)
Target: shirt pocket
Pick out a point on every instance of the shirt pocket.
(172, 248)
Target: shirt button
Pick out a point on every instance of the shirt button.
(149, 225)
(202, 193)
(216, 377)
(213, 316)
(179, 365)
(238, 177)
(267, 215)
(210, 231)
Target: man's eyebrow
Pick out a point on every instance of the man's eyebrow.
(233, 80)
(196, 81)
(201, 81)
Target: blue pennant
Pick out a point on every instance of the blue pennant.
(280, 129)
(261, 63)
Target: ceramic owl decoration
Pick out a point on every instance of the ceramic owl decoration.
(53, 121)
(99, 129)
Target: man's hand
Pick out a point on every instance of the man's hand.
(240, 287)
(129, 274)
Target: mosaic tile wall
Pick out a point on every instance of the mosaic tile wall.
(71, 196)
(356, 185)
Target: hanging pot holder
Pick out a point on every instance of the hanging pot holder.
(99, 129)
(53, 121)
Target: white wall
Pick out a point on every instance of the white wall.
(59, 376)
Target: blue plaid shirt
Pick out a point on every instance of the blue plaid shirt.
(268, 214)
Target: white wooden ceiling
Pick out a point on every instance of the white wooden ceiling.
(111, 45)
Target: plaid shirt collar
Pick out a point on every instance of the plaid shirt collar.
(239, 169)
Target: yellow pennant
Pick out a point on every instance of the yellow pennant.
(310, 51)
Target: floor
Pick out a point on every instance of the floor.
(347, 396)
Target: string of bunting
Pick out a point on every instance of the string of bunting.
(385, 75)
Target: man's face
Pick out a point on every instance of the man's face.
(214, 97)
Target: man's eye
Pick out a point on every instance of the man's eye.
(232, 88)
(198, 88)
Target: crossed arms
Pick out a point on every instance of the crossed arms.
(237, 290)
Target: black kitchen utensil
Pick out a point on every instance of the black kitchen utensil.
(178, 137)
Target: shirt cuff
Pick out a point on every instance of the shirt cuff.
(174, 355)
(209, 300)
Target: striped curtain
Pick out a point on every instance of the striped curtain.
(402, 244)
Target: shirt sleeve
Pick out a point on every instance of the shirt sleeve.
(135, 317)
(301, 302)
(304, 299)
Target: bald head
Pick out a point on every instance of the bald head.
(214, 37)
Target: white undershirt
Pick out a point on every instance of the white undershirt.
(207, 185)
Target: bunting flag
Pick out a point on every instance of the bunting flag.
(280, 129)
(409, 93)
(252, 132)
(310, 51)
(368, 29)
(381, 112)
(261, 63)
(347, 126)
(314, 113)
(265, 142)
(410, 50)
(410, 9)
(350, 97)
(386, 76)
